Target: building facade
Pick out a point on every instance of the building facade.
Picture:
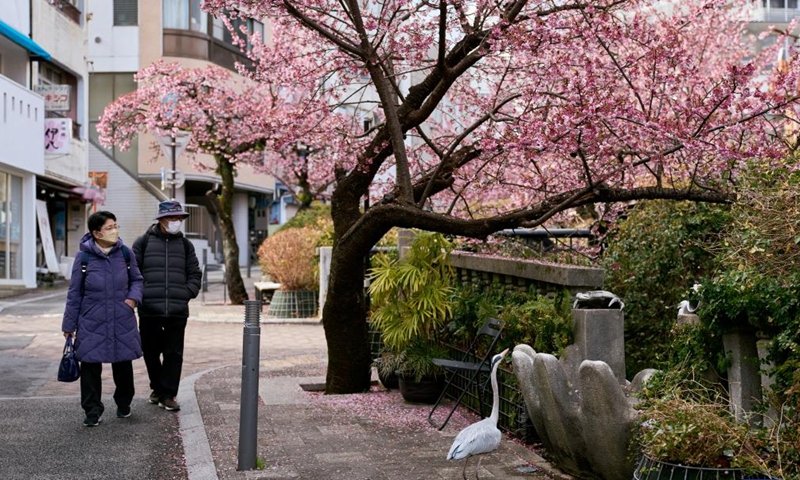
(43, 157)
(125, 36)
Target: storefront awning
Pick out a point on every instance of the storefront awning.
(36, 52)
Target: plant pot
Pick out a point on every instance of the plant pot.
(389, 382)
(651, 469)
(427, 390)
(293, 304)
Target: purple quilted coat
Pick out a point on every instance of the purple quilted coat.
(106, 329)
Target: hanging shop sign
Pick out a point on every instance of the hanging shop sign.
(56, 97)
(57, 133)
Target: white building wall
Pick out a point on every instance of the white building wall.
(65, 40)
(21, 139)
(61, 37)
(16, 13)
(133, 206)
(21, 127)
(110, 48)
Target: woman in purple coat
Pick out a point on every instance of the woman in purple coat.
(105, 287)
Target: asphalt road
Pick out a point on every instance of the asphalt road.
(41, 431)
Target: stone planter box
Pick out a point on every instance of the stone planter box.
(293, 304)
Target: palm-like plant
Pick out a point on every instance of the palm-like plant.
(412, 299)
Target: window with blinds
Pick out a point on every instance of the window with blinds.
(126, 13)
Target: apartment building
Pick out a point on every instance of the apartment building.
(125, 36)
(43, 156)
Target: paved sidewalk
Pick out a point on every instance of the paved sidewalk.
(301, 435)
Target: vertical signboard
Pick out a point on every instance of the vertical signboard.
(57, 134)
(46, 236)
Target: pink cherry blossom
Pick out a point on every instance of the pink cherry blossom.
(486, 115)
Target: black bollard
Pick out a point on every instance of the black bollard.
(248, 415)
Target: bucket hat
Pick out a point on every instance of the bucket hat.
(170, 208)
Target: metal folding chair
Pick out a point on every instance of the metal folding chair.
(489, 331)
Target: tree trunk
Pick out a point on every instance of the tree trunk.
(345, 321)
(345, 314)
(230, 249)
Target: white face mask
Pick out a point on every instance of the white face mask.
(110, 236)
(173, 226)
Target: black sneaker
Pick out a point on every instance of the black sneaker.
(123, 412)
(92, 421)
(154, 398)
(169, 404)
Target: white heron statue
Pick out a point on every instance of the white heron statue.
(685, 308)
(483, 436)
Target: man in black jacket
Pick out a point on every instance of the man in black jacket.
(172, 277)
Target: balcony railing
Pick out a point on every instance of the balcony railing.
(68, 8)
(201, 225)
(776, 11)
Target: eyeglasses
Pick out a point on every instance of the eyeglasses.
(109, 228)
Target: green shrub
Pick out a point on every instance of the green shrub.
(317, 217)
(652, 259)
(541, 321)
(756, 280)
(683, 420)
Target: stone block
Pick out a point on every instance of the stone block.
(600, 335)
(744, 377)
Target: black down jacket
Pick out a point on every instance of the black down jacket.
(171, 273)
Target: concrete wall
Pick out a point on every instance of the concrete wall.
(65, 40)
(133, 206)
(16, 13)
(475, 268)
(113, 49)
(21, 127)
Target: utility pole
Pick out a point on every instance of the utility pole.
(174, 161)
(172, 146)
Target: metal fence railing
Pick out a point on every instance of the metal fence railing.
(514, 417)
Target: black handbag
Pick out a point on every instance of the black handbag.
(69, 370)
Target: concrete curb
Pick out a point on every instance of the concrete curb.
(197, 450)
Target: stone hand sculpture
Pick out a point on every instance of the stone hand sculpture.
(586, 423)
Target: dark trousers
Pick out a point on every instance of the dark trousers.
(162, 345)
(91, 386)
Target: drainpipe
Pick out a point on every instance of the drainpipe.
(30, 35)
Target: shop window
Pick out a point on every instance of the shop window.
(10, 226)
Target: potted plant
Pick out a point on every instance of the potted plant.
(686, 430)
(288, 257)
(411, 301)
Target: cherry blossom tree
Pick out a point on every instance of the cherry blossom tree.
(230, 119)
(500, 114)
